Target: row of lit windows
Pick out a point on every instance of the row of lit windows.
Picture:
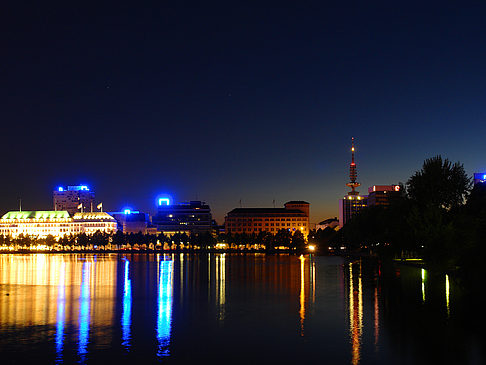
(266, 224)
(50, 225)
(261, 219)
(55, 229)
(258, 229)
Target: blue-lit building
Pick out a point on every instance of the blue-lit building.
(193, 216)
(132, 221)
(479, 178)
(74, 196)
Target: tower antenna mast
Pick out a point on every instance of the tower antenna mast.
(353, 173)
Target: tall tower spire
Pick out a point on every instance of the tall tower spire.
(353, 173)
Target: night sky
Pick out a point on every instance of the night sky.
(233, 102)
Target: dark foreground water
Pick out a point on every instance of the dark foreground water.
(222, 308)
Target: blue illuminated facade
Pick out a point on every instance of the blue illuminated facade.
(78, 188)
(479, 178)
(133, 221)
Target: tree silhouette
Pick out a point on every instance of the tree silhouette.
(440, 184)
(298, 240)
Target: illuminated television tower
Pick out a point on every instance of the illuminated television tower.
(353, 174)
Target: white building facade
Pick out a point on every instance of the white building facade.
(41, 224)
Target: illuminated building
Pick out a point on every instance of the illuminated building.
(382, 194)
(295, 216)
(353, 202)
(132, 221)
(193, 216)
(72, 197)
(56, 223)
(349, 206)
(479, 178)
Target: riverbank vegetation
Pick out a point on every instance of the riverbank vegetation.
(439, 217)
(262, 241)
(105, 241)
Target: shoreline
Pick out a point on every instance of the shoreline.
(132, 251)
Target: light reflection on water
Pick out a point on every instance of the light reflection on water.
(356, 311)
(84, 311)
(76, 308)
(447, 290)
(61, 308)
(164, 314)
(302, 297)
(221, 284)
(423, 274)
(126, 318)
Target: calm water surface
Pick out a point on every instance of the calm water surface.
(230, 308)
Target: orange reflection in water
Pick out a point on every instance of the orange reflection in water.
(302, 294)
(355, 313)
(221, 284)
(60, 290)
(265, 276)
(307, 287)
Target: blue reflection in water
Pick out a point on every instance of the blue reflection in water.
(127, 307)
(84, 308)
(164, 302)
(61, 306)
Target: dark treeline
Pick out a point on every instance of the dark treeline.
(100, 239)
(439, 217)
(267, 240)
(325, 239)
(261, 240)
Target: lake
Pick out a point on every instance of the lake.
(232, 308)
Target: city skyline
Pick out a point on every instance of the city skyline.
(236, 103)
(170, 200)
(236, 182)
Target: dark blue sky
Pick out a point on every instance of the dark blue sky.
(233, 102)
